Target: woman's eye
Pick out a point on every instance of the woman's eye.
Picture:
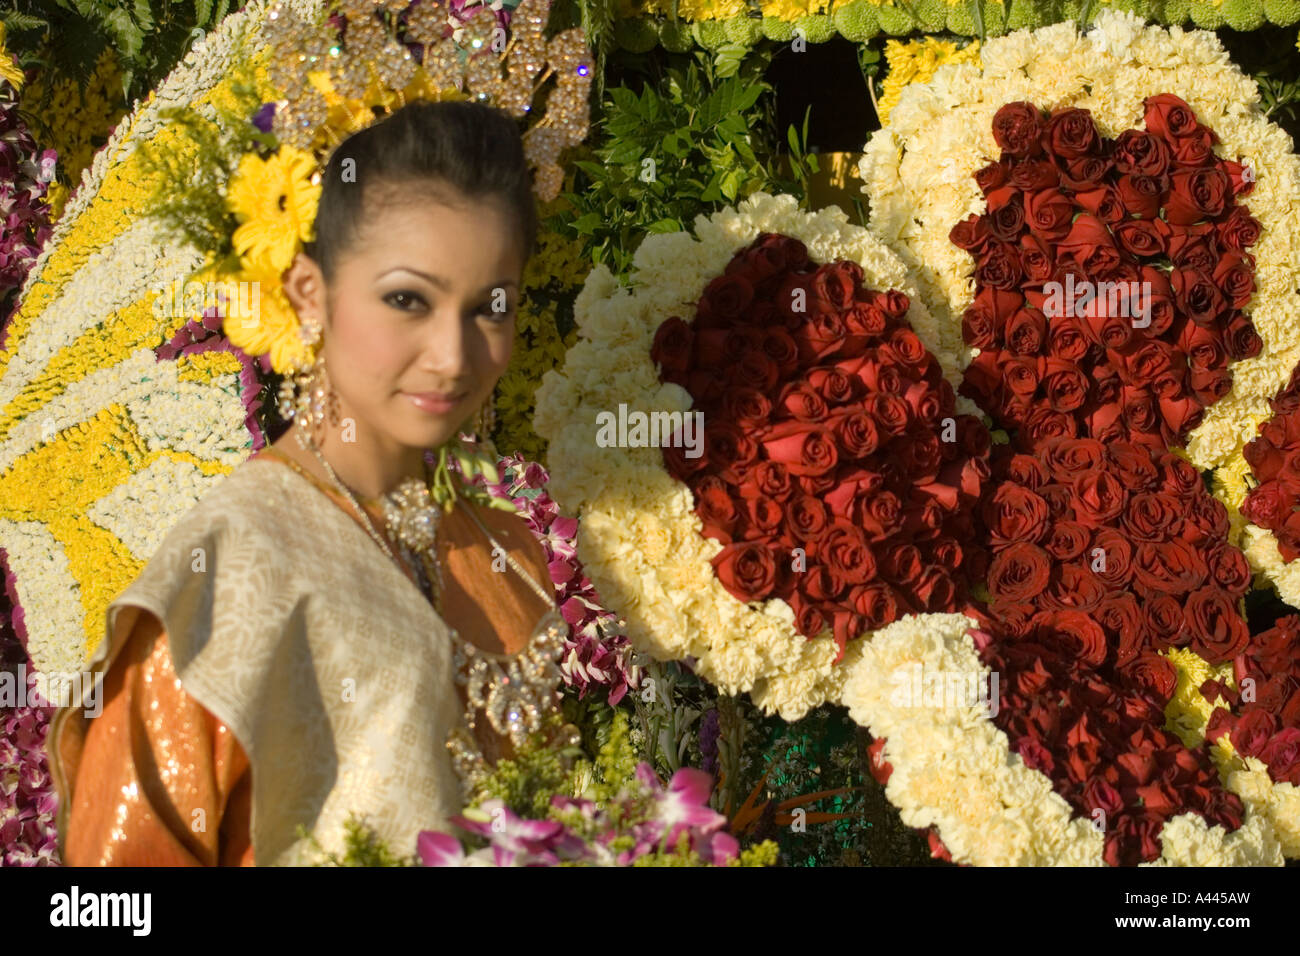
(488, 312)
(403, 300)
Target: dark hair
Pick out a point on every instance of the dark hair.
(474, 149)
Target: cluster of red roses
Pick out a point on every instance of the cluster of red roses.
(1141, 352)
(1101, 740)
(1268, 725)
(834, 472)
(1106, 547)
(1119, 545)
(1272, 504)
(1104, 555)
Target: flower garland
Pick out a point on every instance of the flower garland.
(640, 536)
(597, 651)
(712, 24)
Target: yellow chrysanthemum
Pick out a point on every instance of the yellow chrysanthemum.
(275, 200)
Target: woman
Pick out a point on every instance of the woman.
(289, 655)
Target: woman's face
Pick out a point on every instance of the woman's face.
(420, 319)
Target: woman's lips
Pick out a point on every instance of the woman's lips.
(433, 403)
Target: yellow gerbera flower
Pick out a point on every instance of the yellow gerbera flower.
(275, 201)
(259, 319)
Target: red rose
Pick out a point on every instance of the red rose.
(1036, 258)
(990, 177)
(1071, 133)
(672, 344)
(1267, 505)
(901, 564)
(877, 604)
(857, 434)
(768, 479)
(1239, 230)
(1152, 516)
(1194, 150)
(1236, 277)
(1066, 540)
(1241, 339)
(1140, 195)
(1084, 175)
(1136, 151)
(1098, 497)
(1048, 214)
(1014, 514)
(1167, 567)
(1154, 674)
(833, 385)
(1111, 559)
(804, 449)
(1168, 116)
(746, 569)
(1019, 572)
(716, 508)
(747, 406)
(1218, 631)
(1165, 621)
(837, 283)
(1102, 201)
(1017, 128)
(1065, 385)
(1089, 245)
(971, 234)
(1122, 617)
(724, 299)
(1143, 237)
(1196, 194)
(801, 401)
(890, 411)
(1133, 465)
(1252, 731)
(1066, 458)
(1197, 296)
(845, 551)
(1027, 470)
(1282, 754)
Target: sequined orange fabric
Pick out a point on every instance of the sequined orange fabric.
(157, 780)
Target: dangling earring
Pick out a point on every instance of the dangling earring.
(307, 396)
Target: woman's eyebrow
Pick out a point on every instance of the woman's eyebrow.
(442, 283)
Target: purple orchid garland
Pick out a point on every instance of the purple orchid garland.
(651, 818)
(597, 651)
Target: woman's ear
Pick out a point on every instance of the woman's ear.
(304, 284)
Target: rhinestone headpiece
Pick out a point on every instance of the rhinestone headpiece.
(363, 59)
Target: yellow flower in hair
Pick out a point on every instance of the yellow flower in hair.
(259, 318)
(275, 201)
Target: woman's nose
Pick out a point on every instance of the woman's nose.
(446, 348)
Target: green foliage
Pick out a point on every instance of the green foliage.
(362, 846)
(688, 142)
(526, 783)
(827, 751)
(188, 196)
(66, 37)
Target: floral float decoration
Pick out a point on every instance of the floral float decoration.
(1121, 152)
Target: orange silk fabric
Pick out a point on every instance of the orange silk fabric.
(139, 771)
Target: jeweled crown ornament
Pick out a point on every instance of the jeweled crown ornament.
(363, 59)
